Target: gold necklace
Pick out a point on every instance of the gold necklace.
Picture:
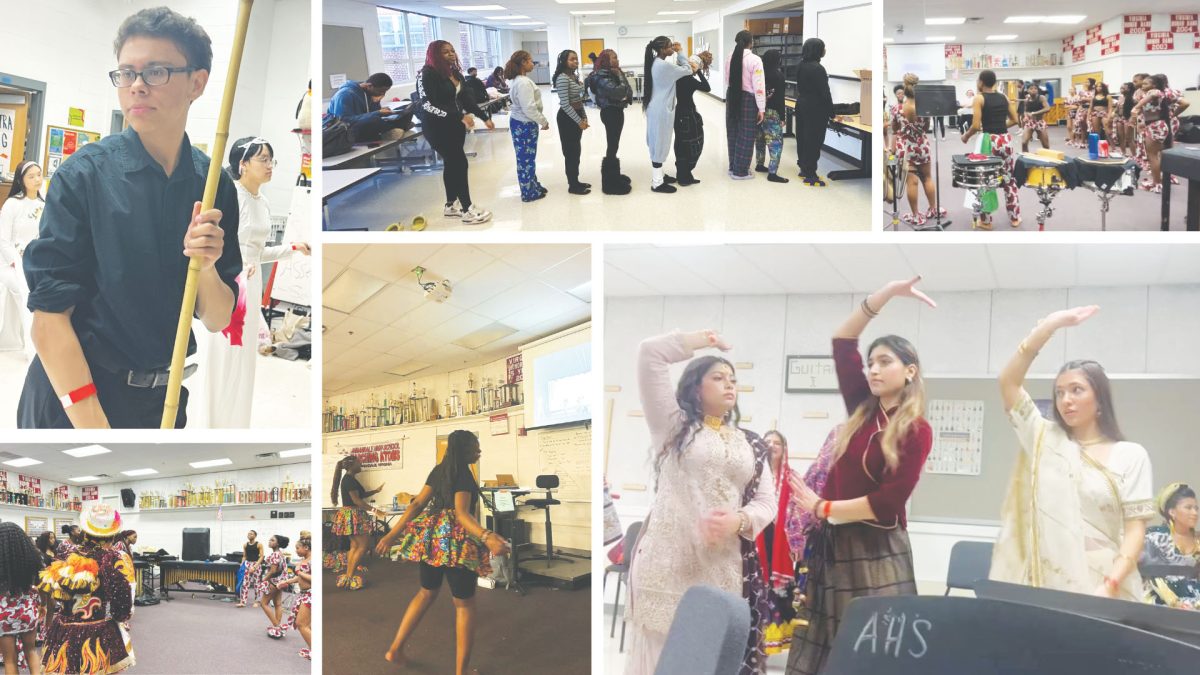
(1195, 546)
(713, 423)
(1090, 443)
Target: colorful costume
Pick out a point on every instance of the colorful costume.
(912, 143)
(18, 613)
(1174, 591)
(303, 599)
(92, 588)
(265, 584)
(436, 538)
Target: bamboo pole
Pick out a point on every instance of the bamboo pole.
(183, 330)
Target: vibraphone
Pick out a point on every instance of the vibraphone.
(176, 572)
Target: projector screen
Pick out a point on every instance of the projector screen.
(840, 28)
(562, 386)
(927, 61)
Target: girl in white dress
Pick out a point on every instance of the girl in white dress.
(1075, 515)
(714, 495)
(229, 384)
(19, 219)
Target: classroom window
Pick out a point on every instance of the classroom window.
(404, 37)
(479, 46)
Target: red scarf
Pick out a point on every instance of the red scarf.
(778, 570)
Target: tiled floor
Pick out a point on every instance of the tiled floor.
(718, 203)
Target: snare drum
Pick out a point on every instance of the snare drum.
(982, 174)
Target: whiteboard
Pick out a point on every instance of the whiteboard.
(567, 453)
(632, 50)
(293, 274)
(842, 30)
(927, 61)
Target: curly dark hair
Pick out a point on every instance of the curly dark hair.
(20, 562)
(44, 546)
(687, 395)
(162, 22)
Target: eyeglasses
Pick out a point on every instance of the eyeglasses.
(266, 160)
(152, 76)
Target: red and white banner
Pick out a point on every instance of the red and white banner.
(1093, 34)
(1078, 53)
(1068, 43)
(1160, 41)
(953, 50)
(1110, 44)
(380, 455)
(1137, 23)
(30, 483)
(63, 491)
(90, 493)
(1185, 23)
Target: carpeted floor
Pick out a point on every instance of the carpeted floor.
(1074, 210)
(546, 631)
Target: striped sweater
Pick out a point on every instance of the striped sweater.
(570, 90)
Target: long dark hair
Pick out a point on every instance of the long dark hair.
(606, 60)
(513, 68)
(653, 47)
(17, 190)
(1159, 81)
(460, 450)
(343, 464)
(734, 93)
(433, 59)
(562, 66)
(1127, 90)
(687, 395)
(771, 60)
(20, 562)
(910, 408)
(45, 547)
(1102, 388)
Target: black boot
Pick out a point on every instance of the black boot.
(610, 178)
(685, 177)
(617, 172)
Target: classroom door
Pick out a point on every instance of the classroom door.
(14, 119)
(589, 46)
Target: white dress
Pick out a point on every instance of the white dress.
(712, 472)
(19, 220)
(229, 379)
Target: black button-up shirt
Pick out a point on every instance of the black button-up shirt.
(111, 246)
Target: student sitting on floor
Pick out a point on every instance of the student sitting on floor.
(357, 103)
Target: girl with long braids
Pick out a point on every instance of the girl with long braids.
(274, 568)
(689, 126)
(1074, 518)
(447, 110)
(745, 103)
(440, 531)
(20, 564)
(572, 118)
(301, 615)
(664, 66)
(525, 118)
(251, 568)
(714, 495)
(353, 519)
(862, 549)
(1174, 543)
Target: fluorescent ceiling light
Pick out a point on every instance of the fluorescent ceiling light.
(598, 23)
(681, 13)
(665, 21)
(83, 479)
(210, 462)
(506, 18)
(87, 451)
(940, 38)
(946, 21)
(295, 453)
(139, 472)
(994, 38)
(23, 461)
(527, 23)
(584, 12)
(474, 8)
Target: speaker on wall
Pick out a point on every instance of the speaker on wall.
(127, 498)
(195, 543)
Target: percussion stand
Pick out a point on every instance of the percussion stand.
(1046, 197)
(1106, 194)
(898, 173)
(935, 101)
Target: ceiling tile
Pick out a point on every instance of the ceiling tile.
(389, 337)
(393, 262)
(582, 291)
(867, 266)
(516, 299)
(457, 327)
(619, 284)
(353, 330)
(352, 358)
(428, 315)
(725, 268)
(1120, 264)
(497, 277)
(456, 262)
(537, 258)
(342, 253)
(393, 302)
(531, 316)
(656, 270)
(350, 289)
(1182, 265)
(1033, 265)
(571, 272)
(951, 267)
(329, 270)
(332, 317)
(797, 268)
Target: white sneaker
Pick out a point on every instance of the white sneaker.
(453, 210)
(476, 215)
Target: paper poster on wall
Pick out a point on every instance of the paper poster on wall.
(957, 437)
(1110, 44)
(1078, 53)
(90, 493)
(31, 484)
(35, 525)
(514, 369)
(59, 523)
(1185, 23)
(1093, 34)
(63, 143)
(292, 278)
(1160, 41)
(8, 119)
(499, 424)
(1136, 23)
(380, 455)
(75, 117)
(567, 453)
(336, 80)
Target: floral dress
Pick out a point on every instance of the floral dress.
(265, 586)
(303, 599)
(18, 613)
(92, 589)
(912, 143)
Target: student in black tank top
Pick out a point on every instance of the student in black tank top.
(249, 573)
(1101, 111)
(994, 115)
(1036, 107)
(353, 519)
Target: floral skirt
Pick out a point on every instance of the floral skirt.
(303, 599)
(85, 647)
(436, 538)
(18, 613)
(350, 522)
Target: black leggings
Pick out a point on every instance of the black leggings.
(572, 137)
(614, 120)
(462, 580)
(810, 137)
(448, 138)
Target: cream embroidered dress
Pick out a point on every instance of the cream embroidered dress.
(711, 472)
(1065, 512)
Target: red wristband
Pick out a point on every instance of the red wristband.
(294, 248)
(828, 506)
(83, 393)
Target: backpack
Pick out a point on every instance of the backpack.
(335, 136)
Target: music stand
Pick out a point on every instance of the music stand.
(935, 100)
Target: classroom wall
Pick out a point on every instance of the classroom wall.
(631, 46)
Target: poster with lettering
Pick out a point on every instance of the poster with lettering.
(8, 119)
(1068, 43)
(1078, 53)
(1160, 41)
(1093, 34)
(954, 50)
(1137, 23)
(515, 369)
(1185, 23)
(380, 455)
(63, 491)
(31, 484)
(1110, 44)
(90, 493)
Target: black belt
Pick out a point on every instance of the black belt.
(151, 379)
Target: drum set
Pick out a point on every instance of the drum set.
(977, 176)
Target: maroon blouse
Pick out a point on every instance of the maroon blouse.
(862, 470)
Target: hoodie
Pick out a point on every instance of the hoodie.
(351, 103)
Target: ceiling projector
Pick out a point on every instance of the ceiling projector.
(437, 291)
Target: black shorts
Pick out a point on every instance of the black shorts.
(462, 580)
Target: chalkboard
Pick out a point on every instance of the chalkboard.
(293, 275)
(567, 453)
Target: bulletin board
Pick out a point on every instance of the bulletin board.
(589, 46)
(35, 525)
(61, 143)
